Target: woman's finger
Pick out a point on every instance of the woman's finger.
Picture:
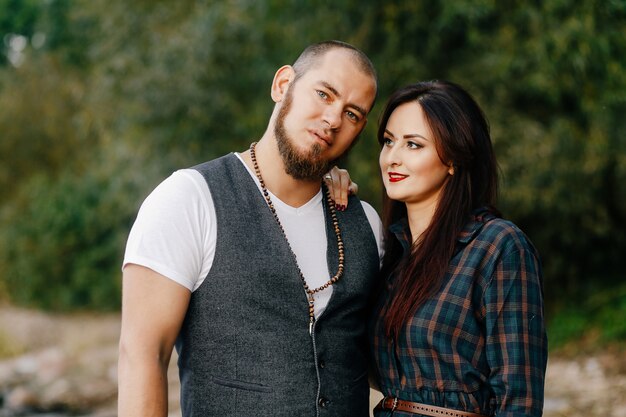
(353, 189)
(330, 184)
(344, 183)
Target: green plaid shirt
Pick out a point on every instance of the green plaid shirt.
(479, 344)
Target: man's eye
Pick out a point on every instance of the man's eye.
(352, 116)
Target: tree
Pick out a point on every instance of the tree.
(136, 90)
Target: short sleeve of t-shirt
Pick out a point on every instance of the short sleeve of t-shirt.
(377, 227)
(172, 232)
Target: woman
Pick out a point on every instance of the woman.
(458, 327)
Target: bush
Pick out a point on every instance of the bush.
(62, 240)
(591, 323)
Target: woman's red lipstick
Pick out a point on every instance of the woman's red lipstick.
(395, 177)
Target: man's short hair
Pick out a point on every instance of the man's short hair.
(310, 57)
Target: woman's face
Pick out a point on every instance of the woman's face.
(410, 165)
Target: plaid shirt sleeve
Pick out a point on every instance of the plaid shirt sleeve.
(516, 342)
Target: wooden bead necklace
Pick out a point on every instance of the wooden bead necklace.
(333, 215)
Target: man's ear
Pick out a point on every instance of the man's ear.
(282, 80)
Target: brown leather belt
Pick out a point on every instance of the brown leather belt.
(393, 404)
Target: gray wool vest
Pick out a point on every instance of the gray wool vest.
(244, 347)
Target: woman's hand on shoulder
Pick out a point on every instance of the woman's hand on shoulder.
(340, 186)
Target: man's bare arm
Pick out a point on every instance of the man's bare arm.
(153, 310)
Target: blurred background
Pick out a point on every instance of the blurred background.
(100, 100)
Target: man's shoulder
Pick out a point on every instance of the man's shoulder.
(183, 187)
(214, 163)
(357, 204)
(368, 215)
(367, 207)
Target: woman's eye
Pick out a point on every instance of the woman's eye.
(413, 145)
(387, 142)
(322, 94)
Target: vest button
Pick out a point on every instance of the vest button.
(323, 402)
(322, 364)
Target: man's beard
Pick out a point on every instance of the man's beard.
(307, 165)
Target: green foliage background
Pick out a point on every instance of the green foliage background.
(101, 99)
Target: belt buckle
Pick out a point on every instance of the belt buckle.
(395, 404)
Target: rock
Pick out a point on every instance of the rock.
(20, 398)
(58, 394)
(71, 369)
(52, 364)
(26, 365)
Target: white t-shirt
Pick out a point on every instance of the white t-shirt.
(175, 233)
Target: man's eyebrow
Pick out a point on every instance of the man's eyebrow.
(336, 93)
(331, 88)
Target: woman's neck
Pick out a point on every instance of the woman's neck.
(420, 216)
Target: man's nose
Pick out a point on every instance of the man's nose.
(332, 117)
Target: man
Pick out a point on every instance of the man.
(235, 262)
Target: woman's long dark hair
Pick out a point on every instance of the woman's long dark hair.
(461, 135)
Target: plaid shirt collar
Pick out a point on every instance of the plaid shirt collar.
(479, 217)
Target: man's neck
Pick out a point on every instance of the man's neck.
(289, 190)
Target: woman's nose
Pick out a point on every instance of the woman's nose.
(393, 156)
(389, 157)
